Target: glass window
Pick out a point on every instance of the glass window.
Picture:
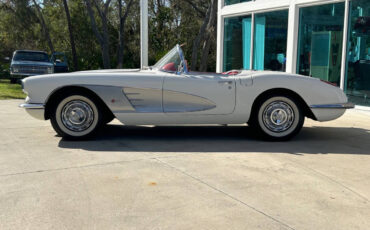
(237, 37)
(31, 56)
(170, 62)
(230, 2)
(270, 40)
(320, 41)
(357, 82)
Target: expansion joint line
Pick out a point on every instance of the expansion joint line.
(226, 194)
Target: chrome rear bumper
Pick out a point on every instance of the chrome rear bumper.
(334, 106)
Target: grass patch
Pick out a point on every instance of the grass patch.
(10, 91)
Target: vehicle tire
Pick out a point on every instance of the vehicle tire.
(76, 116)
(13, 80)
(277, 118)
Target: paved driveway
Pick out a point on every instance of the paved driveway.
(184, 177)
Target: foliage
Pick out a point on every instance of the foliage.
(10, 91)
(170, 22)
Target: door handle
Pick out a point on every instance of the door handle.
(226, 82)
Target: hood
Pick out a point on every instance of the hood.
(90, 74)
(32, 63)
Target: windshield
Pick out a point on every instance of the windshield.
(31, 56)
(59, 57)
(172, 61)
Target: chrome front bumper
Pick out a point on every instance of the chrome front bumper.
(334, 106)
(35, 110)
(328, 112)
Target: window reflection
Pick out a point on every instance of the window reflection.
(237, 32)
(270, 40)
(230, 2)
(358, 54)
(320, 41)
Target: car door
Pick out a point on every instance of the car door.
(208, 94)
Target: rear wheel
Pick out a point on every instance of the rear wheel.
(277, 118)
(76, 116)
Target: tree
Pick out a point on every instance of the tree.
(122, 21)
(103, 35)
(210, 35)
(71, 37)
(204, 35)
(44, 27)
(106, 33)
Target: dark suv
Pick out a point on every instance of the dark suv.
(27, 63)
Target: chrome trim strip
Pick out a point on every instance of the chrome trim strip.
(334, 106)
(32, 106)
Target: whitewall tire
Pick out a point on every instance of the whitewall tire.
(76, 117)
(278, 118)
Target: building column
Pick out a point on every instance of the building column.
(345, 42)
(220, 37)
(144, 32)
(292, 40)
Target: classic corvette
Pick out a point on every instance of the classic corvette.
(273, 103)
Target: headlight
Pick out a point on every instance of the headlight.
(50, 70)
(15, 69)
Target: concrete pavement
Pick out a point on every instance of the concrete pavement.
(184, 177)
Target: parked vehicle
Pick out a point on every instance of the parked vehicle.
(60, 62)
(274, 103)
(27, 63)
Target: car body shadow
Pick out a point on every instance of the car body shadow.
(222, 139)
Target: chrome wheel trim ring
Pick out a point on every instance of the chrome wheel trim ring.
(292, 127)
(64, 102)
(77, 115)
(278, 116)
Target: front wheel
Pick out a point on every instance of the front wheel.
(13, 80)
(76, 117)
(278, 118)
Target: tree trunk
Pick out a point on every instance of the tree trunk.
(44, 29)
(211, 35)
(102, 37)
(105, 55)
(198, 40)
(105, 45)
(121, 31)
(205, 54)
(71, 37)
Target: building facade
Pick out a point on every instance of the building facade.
(326, 39)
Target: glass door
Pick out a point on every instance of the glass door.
(357, 81)
(320, 41)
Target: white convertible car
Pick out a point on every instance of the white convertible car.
(273, 103)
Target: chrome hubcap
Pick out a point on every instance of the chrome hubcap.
(77, 116)
(278, 116)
